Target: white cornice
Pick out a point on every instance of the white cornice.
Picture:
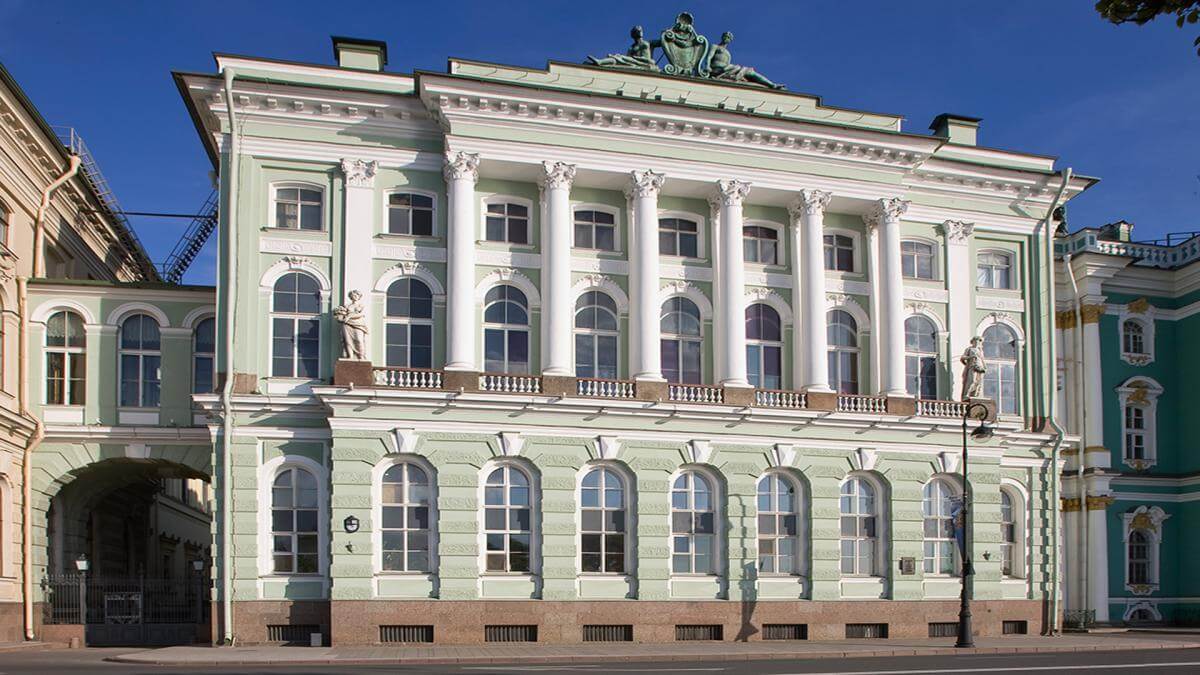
(346, 75)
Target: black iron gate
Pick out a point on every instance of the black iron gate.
(128, 611)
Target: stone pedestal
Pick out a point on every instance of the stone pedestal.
(821, 400)
(651, 390)
(460, 380)
(742, 396)
(352, 373)
(558, 385)
(901, 405)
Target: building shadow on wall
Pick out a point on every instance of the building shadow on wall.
(749, 588)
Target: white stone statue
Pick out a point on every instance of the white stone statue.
(973, 370)
(353, 319)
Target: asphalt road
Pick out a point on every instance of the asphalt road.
(1170, 662)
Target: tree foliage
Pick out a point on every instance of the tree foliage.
(1144, 11)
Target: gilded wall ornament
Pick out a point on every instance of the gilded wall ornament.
(1091, 313)
(1139, 306)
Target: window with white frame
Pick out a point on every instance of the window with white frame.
(596, 336)
(595, 230)
(1000, 359)
(681, 341)
(1010, 530)
(296, 326)
(410, 213)
(140, 352)
(5, 223)
(842, 335)
(1143, 535)
(507, 222)
(760, 244)
(405, 518)
(778, 525)
(1139, 558)
(1135, 432)
(508, 520)
(917, 260)
(1137, 336)
(294, 522)
(857, 507)
(764, 346)
(920, 357)
(204, 356)
(1133, 337)
(693, 524)
(679, 237)
(1138, 397)
(603, 526)
(408, 324)
(994, 269)
(939, 508)
(839, 252)
(298, 208)
(506, 330)
(66, 359)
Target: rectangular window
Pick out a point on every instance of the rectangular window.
(916, 260)
(595, 230)
(920, 376)
(410, 214)
(839, 253)
(1135, 433)
(298, 209)
(678, 237)
(507, 223)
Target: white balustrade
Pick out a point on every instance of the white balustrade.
(773, 398)
(941, 408)
(510, 384)
(853, 403)
(408, 378)
(695, 393)
(598, 388)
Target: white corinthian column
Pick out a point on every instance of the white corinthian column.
(556, 267)
(646, 357)
(885, 215)
(731, 275)
(461, 172)
(808, 290)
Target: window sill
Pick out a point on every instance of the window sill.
(842, 274)
(680, 259)
(292, 576)
(313, 234)
(923, 282)
(396, 574)
(614, 254)
(506, 246)
(999, 292)
(411, 238)
(680, 575)
(520, 576)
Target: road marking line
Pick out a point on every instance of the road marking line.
(1008, 669)
(591, 667)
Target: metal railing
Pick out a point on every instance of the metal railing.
(510, 384)
(695, 393)
(123, 600)
(407, 378)
(594, 387)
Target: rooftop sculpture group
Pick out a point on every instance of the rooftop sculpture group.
(687, 53)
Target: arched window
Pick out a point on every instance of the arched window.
(5, 216)
(405, 519)
(939, 507)
(408, 325)
(602, 522)
(858, 527)
(1133, 340)
(693, 525)
(296, 326)
(681, 341)
(1009, 528)
(760, 245)
(916, 260)
(141, 362)
(1139, 558)
(595, 230)
(596, 335)
(778, 525)
(679, 237)
(842, 334)
(298, 208)
(66, 359)
(204, 353)
(507, 222)
(294, 524)
(994, 270)
(506, 331)
(839, 252)
(764, 347)
(920, 357)
(1000, 359)
(508, 520)
(410, 213)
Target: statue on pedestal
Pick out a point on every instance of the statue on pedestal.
(640, 55)
(352, 317)
(973, 370)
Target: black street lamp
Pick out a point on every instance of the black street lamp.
(983, 432)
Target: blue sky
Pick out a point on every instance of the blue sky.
(1047, 77)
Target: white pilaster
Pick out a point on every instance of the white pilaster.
(644, 276)
(1094, 455)
(885, 218)
(808, 290)
(959, 285)
(461, 173)
(1097, 556)
(731, 276)
(556, 268)
(359, 231)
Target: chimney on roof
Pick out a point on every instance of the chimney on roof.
(359, 53)
(958, 129)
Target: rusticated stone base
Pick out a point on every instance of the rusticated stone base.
(357, 622)
(12, 622)
(251, 618)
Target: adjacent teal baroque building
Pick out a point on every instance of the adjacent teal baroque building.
(588, 352)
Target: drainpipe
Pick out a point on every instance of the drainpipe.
(227, 388)
(1052, 472)
(1084, 525)
(39, 430)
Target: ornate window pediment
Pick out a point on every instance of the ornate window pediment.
(1139, 422)
(1142, 535)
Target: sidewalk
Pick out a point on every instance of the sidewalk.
(591, 652)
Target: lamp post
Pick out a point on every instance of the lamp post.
(983, 432)
(82, 564)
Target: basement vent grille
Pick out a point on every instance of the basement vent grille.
(785, 631)
(605, 633)
(510, 633)
(392, 634)
(1016, 628)
(292, 633)
(943, 629)
(699, 632)
(866, 630)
